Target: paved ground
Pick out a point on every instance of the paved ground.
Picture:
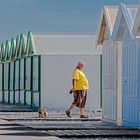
(59, 125)
(26, 124)
(12, 131)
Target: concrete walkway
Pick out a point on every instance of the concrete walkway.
(60, 125)
(25, 125)
(12, 131)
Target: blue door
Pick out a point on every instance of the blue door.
(130, 81)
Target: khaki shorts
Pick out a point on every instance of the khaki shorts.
(80, 97)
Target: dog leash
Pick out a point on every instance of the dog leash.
(57, 101)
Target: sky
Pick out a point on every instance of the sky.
(21, 16)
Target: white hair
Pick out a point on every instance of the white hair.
(81, 63)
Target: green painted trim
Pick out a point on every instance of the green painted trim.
(9, 71)
(17, 47)
(23, 47)
(8, 51)
(30, 44)
(13, 49)
(3, 83)
(14, 82)
(19, 61)
(0, 56)
(31, 86)
(3, 52)
(39, 79)
(101, 81)
(25, 81)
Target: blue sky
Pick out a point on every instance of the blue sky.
(18, 16)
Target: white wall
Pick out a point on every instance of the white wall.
(56, 73)
(109, 94)
(64, 44)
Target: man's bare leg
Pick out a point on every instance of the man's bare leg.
(71, 107)
(81, 111)
(82, 115)
(80, 107)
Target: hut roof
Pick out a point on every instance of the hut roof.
(107, 22)
(136, 26)
(125, 19)
(42, 44)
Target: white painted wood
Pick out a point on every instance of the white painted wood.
(11, 96)
(36, 98)
(11, 75)
(17, 97)
(28, 73)
(35, 73)
(119, 82)
(22, 74)
(6, 66)
(6, 96)
(28, 98)
(22, 96)
(17, 75)
(109, 83)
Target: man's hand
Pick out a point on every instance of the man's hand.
(71, 91)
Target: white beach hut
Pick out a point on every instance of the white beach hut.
(122, 32)
(111, 88)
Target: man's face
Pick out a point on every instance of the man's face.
(82, 66)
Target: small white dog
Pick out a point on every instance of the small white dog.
(43, 113)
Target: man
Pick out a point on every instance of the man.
(79, 90)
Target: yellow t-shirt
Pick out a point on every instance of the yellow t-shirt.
(81, 80)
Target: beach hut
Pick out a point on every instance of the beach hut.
(19, 69)
(122, 32)
(3, 54)
(31, 96)
(12, 71)
(22, 65)
(6, 65)
(111, 89)
(5, 48)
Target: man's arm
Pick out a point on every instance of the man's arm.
(75, 77)
(73, 84)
